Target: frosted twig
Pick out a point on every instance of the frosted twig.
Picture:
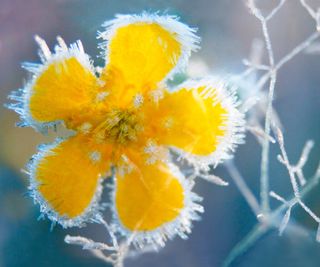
(312, 182)
(283, 158)
(277, 197)
(298, 49)
(273, 78)
(207, 176)
(304, 155)
(275, 10)
(272, 75)
(259, 133)
(295, 171)
(87, 243)
(265, 225)
(302, 161)
(308, 210)
(265, 148)
(110, 232)
(214, 179)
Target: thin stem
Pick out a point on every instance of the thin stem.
(275, 10)
(294, 52)
(110, 232)
(309, 211)
(312, 183)
(285, 161)
(264, 226)
(305, 154)
(258, 231)
(299, 48)
(311, 12)
(243, 187)
(267, 39)
(87, 243)
(264, 186)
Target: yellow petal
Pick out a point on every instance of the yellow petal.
(142, 51)
(65, 179)
(199, 118)
(154, 198)
(63, 88)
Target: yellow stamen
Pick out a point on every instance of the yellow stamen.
(120, 126)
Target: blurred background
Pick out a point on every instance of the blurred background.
(227, 30)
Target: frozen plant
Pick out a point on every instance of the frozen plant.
(126, 124)
(259, 106)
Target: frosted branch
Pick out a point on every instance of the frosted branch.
(278, 197)
(283, 158)
(207, 176)
(87, 243)
(264, 180)
(275, 10)
(300, 185)
(294, 170)
(214, 179)
(259, 133)
(294, 52)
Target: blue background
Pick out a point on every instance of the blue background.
(227, 30)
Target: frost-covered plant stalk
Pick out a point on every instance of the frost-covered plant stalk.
(125, 124)
(258, 105)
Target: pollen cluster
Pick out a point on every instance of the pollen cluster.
(120, 126)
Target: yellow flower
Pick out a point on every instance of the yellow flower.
(126, 121)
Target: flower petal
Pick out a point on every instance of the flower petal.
(154, 202)
(65, 179)
(62, 88)
(198, 119)
(142, 50)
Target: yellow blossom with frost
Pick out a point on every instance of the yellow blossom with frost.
(126, 121)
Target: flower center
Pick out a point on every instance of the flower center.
(120, 126)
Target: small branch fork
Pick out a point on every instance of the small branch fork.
(296, 178)
(206, 175)
(264, 135)
(115, 253)
(267, 219)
